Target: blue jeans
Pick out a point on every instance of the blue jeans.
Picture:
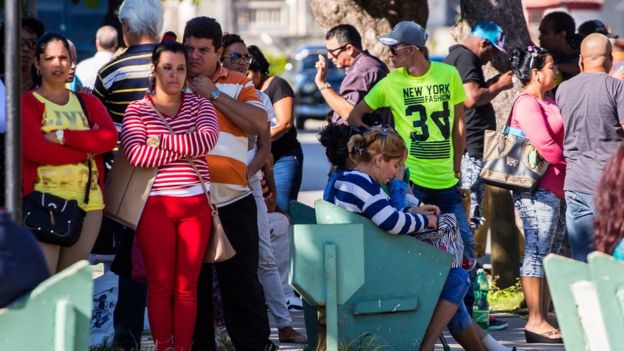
(449, 200)
(543, 219)
(288, 171)
(580, 224)
(471, 168)
(456, 286)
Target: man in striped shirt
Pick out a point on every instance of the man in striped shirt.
(120, 82)
(240, 114)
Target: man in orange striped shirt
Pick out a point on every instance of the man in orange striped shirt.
(240, 114)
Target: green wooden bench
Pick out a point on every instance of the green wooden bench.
(54, 316)
(589, 301)
(382, 288)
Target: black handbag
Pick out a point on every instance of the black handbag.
(52, 219)
(510, 161)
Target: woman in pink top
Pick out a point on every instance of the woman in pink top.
(174, 228)
(536, 117)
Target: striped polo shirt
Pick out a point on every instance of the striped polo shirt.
(228, 159)
(124, 79)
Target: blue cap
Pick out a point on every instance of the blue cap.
(492, 32)
(406, 32)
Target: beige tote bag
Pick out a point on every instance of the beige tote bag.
(126, 191)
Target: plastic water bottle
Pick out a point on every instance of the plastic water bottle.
(481, 308)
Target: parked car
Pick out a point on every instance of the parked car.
(300, 72)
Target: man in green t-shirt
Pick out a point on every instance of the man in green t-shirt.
(426, 99)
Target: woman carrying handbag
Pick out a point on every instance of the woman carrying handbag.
(173, 131)
(65, 135)
(536, 117)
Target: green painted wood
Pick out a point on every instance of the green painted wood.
(303, 214)
(385, 306)
(561, 273)
(308, 260)
(56, 315)
(608, 275)
(395, 267)
(331, 301)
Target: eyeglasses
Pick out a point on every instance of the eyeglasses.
(237, 57)
(335, 52)
(29, 42)
(394, 49)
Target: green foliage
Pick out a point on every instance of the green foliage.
(365, 342)
(508, 299)
(278, 63)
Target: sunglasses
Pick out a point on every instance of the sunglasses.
(238, 57)
(29, 42)
(395, 49)
(335, 52)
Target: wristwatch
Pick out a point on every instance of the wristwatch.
(60, 136)
(214, 94)
(153, 141)
(326, 86)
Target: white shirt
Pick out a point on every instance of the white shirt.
(87, 70)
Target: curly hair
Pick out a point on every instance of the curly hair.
(335, 137)
(609, 204)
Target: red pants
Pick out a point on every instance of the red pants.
(173, 235)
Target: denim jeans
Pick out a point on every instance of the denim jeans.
(288, 172)
(455, 288)
(449, 200)
(543, 219)
(580, 224)
(471, 168)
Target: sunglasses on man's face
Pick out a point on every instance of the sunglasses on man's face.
(336, 51)
(395, 49)
(238, 57)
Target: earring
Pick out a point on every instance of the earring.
(37, 71)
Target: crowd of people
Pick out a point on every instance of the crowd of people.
(217, 128)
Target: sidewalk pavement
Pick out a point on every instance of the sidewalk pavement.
(512, 336)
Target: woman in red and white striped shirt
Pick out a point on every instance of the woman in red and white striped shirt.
(174, 228)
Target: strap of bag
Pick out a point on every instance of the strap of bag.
(187, 158)
(508, 123)
(90, 158)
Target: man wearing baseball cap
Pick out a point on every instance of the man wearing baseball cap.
(486, 39)
(427, 103)
(594, 26)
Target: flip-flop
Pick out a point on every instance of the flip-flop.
(544, 338)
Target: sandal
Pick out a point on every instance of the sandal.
(544, 338)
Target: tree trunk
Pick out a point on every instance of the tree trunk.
(499, 212)
(370, 17)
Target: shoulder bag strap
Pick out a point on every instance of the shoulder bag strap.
(90, 158)
(187, 158)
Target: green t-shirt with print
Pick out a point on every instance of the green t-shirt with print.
(423, 109)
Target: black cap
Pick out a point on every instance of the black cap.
(594, 26)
